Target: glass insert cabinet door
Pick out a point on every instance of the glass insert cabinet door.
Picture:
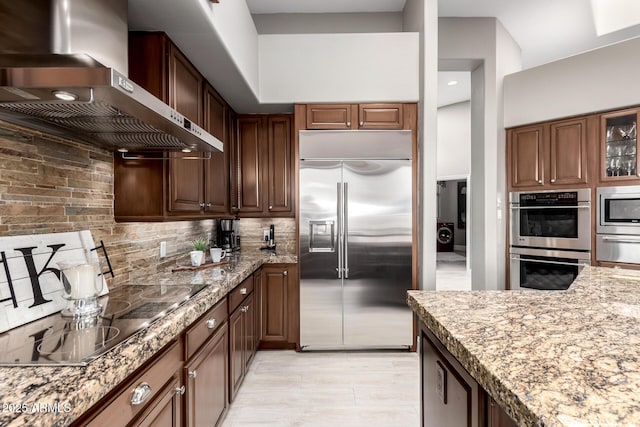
(619, 157)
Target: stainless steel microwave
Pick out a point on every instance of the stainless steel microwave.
(619, 210)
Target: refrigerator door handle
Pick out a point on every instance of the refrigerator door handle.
(340, 229)
(346, 229)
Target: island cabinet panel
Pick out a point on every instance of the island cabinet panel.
(206, 377)
(150, 383)
(450, 396)
(237, 348)
(280, 306)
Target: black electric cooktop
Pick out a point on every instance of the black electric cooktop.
(58, 340)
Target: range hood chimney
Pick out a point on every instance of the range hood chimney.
(63, 70)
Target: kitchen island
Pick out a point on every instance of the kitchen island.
(58, 395)
(547, 358)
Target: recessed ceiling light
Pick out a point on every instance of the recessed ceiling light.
(65, 96)
(452, 82)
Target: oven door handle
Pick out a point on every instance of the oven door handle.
(583, 264)
(550, 207)
(625, 239)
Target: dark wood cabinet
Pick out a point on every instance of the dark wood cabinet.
(156, 64)
(450, 396)
(280, 165)
(355, 116)
(216, 170)
(206, 378)
(161, 400)
(138, 189)
(280, 306)
(251, 167)
(166, 411)
(264, 164)
(257, 296)
(177, 188)
(551, 154)
(242, 335)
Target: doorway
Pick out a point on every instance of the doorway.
(453, 260)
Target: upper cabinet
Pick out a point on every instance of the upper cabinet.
(355, 116)
(263, 181)
(177, 188)
(551, 154)
(619, 147)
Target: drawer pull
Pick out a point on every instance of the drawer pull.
(180, 390)
(243, 291)
(193, 374)
(211, 323)
(140, 394)
(284, 273)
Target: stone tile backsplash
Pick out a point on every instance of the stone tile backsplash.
(51, 185)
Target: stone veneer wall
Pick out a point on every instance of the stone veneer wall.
(52, 185)
(251, 233)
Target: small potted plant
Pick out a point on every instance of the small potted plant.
(197, 254)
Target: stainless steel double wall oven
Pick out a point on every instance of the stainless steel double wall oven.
(550, 238)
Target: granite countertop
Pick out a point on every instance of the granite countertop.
(549, 358)
(76, 388)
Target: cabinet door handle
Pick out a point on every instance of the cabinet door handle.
(349, 124)
(539, 181)
(243, 291)
(202, 205)
(211, 323)
(270, 207)
(553, 180)
(140, 394)
(284, 273)
(361, 123)
(245, 309)
(192, 374)
(208, 205)
(180, 390)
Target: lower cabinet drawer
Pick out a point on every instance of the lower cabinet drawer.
(205, 327)
(142, 390)
(239, 293)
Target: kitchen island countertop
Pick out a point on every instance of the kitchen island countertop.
(56, 395)
(548, 358)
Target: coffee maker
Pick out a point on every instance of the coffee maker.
(227, 234)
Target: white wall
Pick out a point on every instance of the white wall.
(454, 141)
(308, 23)
(422, 16)
(338, 67)
(484, 44)
(602, 79)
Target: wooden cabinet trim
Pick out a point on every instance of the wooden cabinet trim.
(329, 116)
(381, 116)
(239, 293)
(166, 409)
(568, 155)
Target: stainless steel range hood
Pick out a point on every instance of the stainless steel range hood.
(63, 70)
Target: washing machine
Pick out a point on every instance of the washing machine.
(445, 237)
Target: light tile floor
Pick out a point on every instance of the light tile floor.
(452, 276)
(372, 389)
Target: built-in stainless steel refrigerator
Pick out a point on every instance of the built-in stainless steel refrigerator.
(355, 239)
